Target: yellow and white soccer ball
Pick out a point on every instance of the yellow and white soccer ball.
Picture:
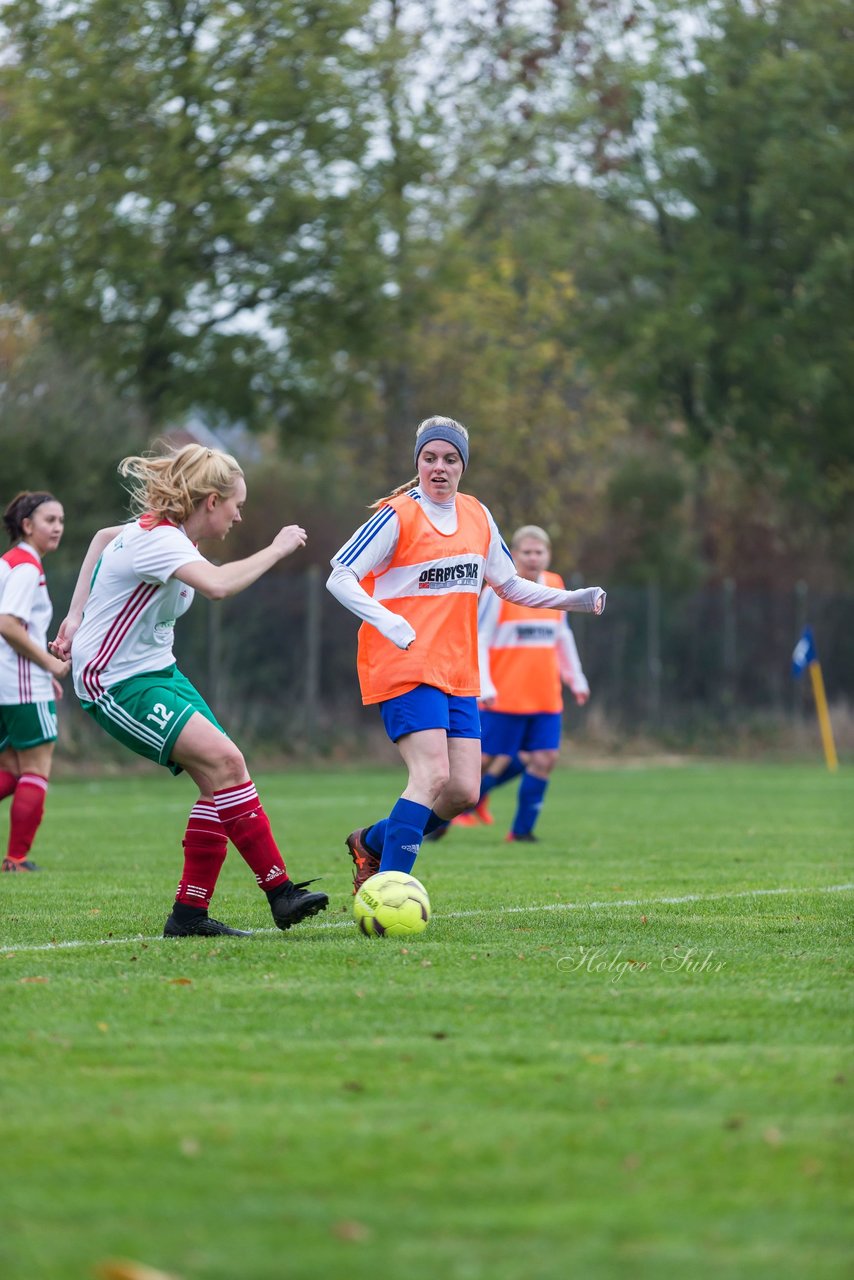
(392, 904)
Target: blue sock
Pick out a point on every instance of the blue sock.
(403, 835)
(490, 780)
(374, 836)
(435, 823)
(531, 795)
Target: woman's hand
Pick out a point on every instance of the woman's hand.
(399, 632)
(61, 646)
(289, 539)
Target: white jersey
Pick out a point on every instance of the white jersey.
(23, 594)
(129, 621)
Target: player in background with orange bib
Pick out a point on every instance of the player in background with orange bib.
(28, 671)
(525, 656)
(413, 573)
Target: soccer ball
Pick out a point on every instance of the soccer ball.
(392, 904)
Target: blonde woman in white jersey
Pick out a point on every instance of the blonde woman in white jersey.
(34, 522)
(136, 580)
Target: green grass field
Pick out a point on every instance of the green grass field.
(625, 1052)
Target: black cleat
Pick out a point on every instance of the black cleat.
(293, 903)
(527, 838)
(19, 864)
(203, 927)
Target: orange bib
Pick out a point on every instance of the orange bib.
(433, 581)
(523, 660)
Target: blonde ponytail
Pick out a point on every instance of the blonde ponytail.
(395, 493)
(172, 485)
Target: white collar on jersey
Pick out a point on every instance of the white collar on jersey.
(420, 496)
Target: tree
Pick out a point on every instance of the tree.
(63, 428)
(495, 351)
(179, 177)
(722, 264)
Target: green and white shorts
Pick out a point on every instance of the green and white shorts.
(27, 724)
(148, 712)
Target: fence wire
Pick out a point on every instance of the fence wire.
(277, 663)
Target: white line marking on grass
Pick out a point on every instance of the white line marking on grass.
(659, 902)
(462, 915)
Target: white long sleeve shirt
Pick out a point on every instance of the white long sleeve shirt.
(569, 662)
(372, 546)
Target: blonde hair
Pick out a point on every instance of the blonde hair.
(172, 485)
(530, 531)
(427, 424)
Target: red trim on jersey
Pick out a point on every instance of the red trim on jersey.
(150, 520)
(14, 558)
(21, 555)
(116, 632)
(25, 679)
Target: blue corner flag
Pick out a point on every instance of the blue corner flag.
(805, 658)
(804, 653)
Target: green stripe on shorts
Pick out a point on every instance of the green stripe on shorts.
(27, 724)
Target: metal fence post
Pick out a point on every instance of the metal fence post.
(213, 643)
(729, 652)
(653, 650)
(311, 702)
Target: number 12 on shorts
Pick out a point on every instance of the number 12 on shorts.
(160, 716)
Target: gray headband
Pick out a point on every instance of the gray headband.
(450, 434)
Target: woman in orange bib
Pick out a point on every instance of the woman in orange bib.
(413, 574)
(525, 657)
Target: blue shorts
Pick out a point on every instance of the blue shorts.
(506, 734)
(426, 707)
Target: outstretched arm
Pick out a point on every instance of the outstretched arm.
(218, 581)
(521, 591)
(502, 577)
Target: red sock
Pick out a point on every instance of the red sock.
(248, 828)
(205, 847)
(27, 813)
(8, 783)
